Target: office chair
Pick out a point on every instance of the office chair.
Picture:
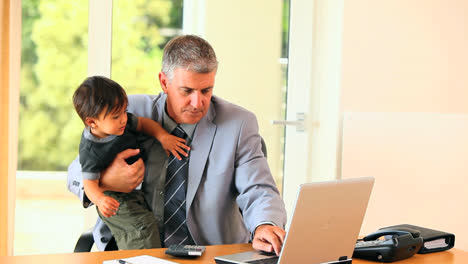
(86, 240)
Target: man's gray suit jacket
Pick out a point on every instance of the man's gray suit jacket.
(230, 188)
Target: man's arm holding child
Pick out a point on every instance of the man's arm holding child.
(118, 176)
(121, 177)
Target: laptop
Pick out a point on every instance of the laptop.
(324, 226)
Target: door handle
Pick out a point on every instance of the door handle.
(299, 123)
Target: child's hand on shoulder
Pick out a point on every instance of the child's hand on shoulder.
(107, 206)
(174, 145)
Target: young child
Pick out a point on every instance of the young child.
(101, 104)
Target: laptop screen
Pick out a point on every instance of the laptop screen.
(325, 223)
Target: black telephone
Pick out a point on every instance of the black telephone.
(393, 245)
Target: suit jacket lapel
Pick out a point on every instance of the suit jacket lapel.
(200, 149)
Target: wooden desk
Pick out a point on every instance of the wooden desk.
(446, 257)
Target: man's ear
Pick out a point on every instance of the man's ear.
(91, 122)
(163, 81)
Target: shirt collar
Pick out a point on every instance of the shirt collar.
(169, 124)
(89, 136)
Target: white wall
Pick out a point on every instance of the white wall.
(407, 56)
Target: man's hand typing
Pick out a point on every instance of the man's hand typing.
(268, 238)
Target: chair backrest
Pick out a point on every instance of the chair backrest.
(86, 240)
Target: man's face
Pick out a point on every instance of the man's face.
(188, 94)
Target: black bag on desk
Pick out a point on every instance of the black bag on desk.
(433, 240)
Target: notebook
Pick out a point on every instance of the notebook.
(324, 226)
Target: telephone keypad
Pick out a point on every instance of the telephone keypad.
(370, 243)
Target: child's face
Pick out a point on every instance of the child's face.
(111, 124)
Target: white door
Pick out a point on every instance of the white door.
(312, 149)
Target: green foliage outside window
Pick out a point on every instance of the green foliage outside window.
(54, 62)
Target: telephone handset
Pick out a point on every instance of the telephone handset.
(389, 245)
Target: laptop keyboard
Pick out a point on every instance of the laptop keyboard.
(264, 261)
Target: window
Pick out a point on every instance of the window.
(54, 62)
(140, 29)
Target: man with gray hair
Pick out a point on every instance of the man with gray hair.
(223, 191)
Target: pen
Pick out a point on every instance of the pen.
(121, 261)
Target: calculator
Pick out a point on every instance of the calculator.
(185, 250)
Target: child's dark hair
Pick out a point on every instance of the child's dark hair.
(97, 93)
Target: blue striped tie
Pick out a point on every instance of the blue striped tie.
(175, 227)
